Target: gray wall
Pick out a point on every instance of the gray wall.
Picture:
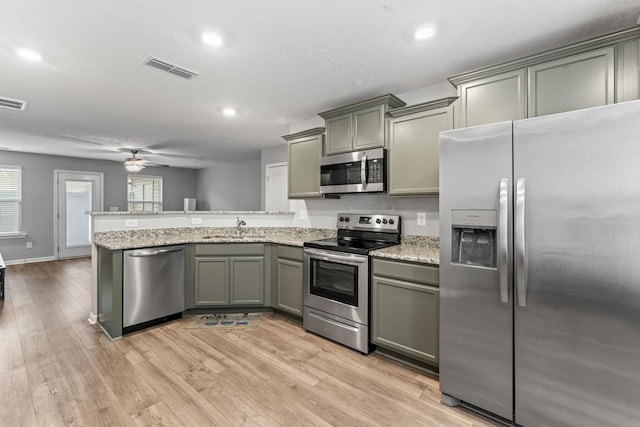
(38, 193)
(277, 154)
(230, 186)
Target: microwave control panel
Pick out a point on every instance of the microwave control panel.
(376, 170)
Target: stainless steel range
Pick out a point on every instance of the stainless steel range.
(336, 277)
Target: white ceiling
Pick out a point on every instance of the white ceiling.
(282, 63)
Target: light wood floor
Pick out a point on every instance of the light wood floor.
(56, 369)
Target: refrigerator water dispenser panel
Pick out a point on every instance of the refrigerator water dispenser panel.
(474, 238)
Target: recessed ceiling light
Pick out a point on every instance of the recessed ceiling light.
(211, 38)
(229, 111)
(424, 32)
(29, 54)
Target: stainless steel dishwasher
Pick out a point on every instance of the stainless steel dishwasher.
(154, 286)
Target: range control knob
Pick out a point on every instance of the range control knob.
(341, 219)
(384, 221)
(391, 221)
(378, 221)
(346, 219)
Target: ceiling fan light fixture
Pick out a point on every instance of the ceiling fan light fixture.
(133, 164)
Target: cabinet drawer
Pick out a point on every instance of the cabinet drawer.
(290, 252)
(411, 272)
(227, 249)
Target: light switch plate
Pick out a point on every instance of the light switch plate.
(196, 221)
(422, 218)
(130, 222)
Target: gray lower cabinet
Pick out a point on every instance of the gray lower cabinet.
(228, 274)
(414, 147)
(304, 153)
(404, 309)
(109, 295)
(288, 279)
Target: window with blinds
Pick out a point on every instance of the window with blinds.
(10, 199)
(144, 193)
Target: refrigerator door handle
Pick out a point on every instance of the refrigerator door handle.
(521, 258)
(503, 242)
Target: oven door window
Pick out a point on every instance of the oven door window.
(335, 281)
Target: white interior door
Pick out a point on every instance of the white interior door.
(78, 194)
(276, 197)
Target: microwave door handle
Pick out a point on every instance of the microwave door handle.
(363, 171)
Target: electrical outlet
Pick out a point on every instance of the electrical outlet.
(29, 245)
(422, 218)
(130, 222)
(196, 221)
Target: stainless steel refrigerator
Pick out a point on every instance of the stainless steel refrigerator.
(540, 268)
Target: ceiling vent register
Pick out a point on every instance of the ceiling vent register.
(13, 104)
(170, 68)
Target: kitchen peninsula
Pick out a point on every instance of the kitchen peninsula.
(273, 251)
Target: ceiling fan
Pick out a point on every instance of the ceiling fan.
(135, 164)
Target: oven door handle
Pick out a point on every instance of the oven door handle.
(325, 256)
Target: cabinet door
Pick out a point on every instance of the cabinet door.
(368, 128)
(339, 134)
(211, 281)
(572, 83)
(247, 280)
(493, 99)
(628, 73)
(405, 318)
(414, 151)
(304, 167)
(290, 286)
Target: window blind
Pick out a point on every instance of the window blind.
(144, 193)
(10, 198)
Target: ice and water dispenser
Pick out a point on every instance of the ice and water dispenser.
(474, 238)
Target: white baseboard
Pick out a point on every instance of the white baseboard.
(29, 260)
(93, 318)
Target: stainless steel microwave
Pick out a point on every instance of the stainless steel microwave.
(356, 172)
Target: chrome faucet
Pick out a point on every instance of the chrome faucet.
(239, 224)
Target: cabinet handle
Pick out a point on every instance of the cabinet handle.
(503, 240)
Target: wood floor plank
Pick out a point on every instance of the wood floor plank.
(158, 414)
(15, 398)
(55, 405)
(133, 393)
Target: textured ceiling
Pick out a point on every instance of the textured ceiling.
(282, 62)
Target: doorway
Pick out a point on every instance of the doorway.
(276, 197)
(77, 195)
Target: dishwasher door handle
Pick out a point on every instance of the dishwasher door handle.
(144, 253)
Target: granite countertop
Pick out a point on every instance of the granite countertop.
(132, 239)
(423, 249)
(120, 213)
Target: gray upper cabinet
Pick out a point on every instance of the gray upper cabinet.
(578, 81)
(414, 147)
(628, 71)
(592, 73)
(493, 99)
(359, 126)
(305, 151)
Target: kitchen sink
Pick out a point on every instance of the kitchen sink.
(232, 236)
